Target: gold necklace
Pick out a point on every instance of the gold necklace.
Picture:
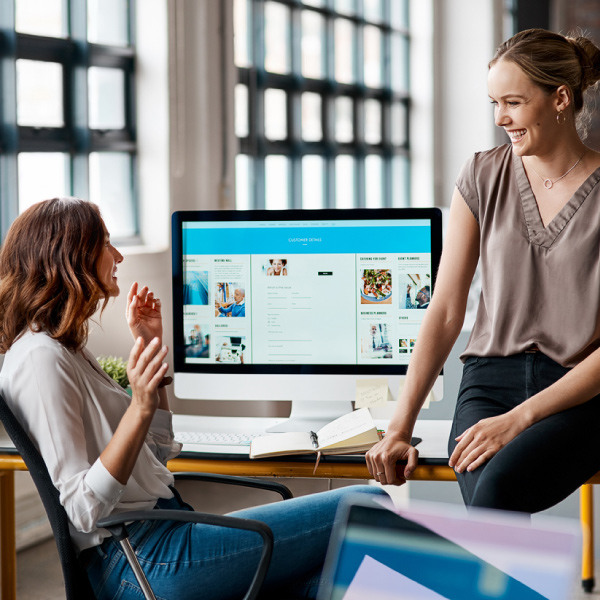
(548, 183)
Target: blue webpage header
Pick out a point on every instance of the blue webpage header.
(338, 239)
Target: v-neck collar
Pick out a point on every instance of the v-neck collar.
(536, 231)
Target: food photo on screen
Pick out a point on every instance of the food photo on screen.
(376, 286)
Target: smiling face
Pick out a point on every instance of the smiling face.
(525, 111)
(277, 264)
(109, 258)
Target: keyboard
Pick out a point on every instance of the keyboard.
(213, 438)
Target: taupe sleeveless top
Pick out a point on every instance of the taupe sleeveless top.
(540, 285)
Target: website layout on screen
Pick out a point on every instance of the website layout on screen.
(330, 292)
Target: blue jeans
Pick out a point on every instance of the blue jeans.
(545, 463)
(190, 561)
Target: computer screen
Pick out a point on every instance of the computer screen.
(298, 304)
(434, 551)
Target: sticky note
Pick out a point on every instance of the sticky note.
(371, 392)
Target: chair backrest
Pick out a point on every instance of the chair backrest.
(77, 585)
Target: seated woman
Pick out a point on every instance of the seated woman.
(106, 452)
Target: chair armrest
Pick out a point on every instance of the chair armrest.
(272, 486)
(117, 528)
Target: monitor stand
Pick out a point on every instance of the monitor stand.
(312, 415)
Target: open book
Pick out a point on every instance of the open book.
(354, 432)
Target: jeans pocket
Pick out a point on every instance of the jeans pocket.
(131, 591)
(473, 362)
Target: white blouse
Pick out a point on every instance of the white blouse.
(71, 408)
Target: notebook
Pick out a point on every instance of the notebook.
(437, 551)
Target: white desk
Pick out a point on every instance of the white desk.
(432, 448)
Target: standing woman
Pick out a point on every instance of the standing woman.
(527, 421)
(105, 452)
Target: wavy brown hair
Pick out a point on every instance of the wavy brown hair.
(48, 272)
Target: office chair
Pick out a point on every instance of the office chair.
(77, 585)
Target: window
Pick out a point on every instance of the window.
(321, 103)
(67, 88)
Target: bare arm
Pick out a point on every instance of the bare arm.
(145, 369)
(440, 328)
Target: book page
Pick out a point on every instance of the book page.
(346, 427)
(285, 443)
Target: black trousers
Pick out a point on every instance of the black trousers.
(543, 464)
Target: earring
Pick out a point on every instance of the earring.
(560, 117)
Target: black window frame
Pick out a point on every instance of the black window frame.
(75, 138)
(257, 146)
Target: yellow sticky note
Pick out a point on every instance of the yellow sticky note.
(371, 392)
(427, 400)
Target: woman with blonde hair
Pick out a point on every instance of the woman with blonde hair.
(106, 452)
(527, 418)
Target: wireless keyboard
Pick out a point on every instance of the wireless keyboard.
(214, 438)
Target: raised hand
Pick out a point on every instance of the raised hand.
(145, 369)
(143, 314)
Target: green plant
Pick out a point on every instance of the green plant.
(116, 368)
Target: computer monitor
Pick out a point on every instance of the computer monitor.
(299, 304)
(435, 551)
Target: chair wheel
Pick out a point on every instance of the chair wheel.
(588, 585)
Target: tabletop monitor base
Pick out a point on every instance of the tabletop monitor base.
(311, 415)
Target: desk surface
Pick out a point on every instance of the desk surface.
(432, 448)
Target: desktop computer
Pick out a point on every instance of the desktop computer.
(299, 304)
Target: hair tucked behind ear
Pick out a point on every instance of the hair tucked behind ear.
(550, 60)
(48, 272)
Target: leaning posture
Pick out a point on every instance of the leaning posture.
(527, 420)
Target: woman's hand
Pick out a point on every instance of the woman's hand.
(483, 440)
(383, 456)
(145, 369)
(143, 314)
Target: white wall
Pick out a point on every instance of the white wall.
(464, 44)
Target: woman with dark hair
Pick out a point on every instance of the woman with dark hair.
(277, 266)
(527, 418)
(106, 452)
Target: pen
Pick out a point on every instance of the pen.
(315, 439)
